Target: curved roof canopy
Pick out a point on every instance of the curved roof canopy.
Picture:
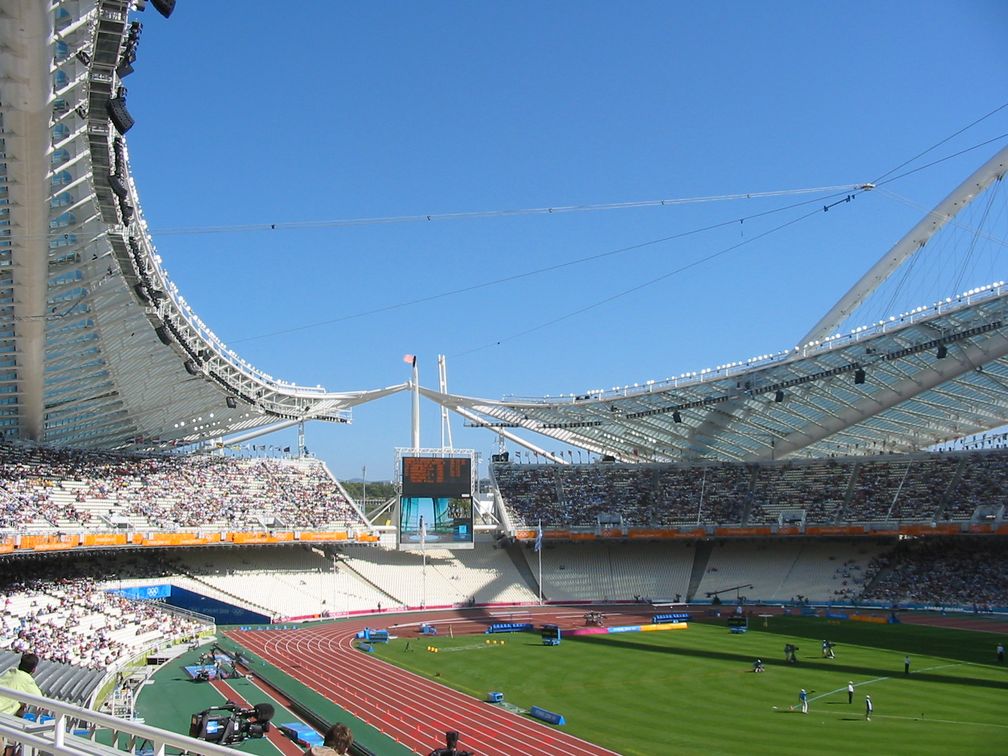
(97, 346)
(936, 374)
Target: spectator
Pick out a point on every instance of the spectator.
(19, 679)
(338, 740)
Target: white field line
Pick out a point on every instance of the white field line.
(880, 679)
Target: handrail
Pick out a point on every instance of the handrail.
(52, 737)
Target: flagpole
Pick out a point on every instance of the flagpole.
(538, 548)
(540, 577)
(423, 552)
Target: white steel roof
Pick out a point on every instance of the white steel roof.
(805, 401)
(97, 346)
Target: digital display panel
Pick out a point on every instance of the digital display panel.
(437, 476)
(435, 522)
(436, 507)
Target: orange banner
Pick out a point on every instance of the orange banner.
(754, 531)
(827, 530)
(262, 537)
(105, 539)
(334, 535)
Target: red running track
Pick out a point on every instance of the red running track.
(407, 707)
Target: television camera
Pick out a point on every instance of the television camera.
(231, 723)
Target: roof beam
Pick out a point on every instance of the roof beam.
(914, 239)
(993, 346)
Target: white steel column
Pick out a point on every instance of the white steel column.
(416, 405)
(443, 387)
(26, 98)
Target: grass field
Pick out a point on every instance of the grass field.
(693, 691)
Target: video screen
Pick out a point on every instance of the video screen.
(436, 476)
(443, 522)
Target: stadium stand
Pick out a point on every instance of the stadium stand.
(43, 489)
(921, 487)
(617, 572)
(74, 621)
(969, 572)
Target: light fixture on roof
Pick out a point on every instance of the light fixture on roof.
(942, 352)
(676, 417)
(116, 108)
(859, 376)
(779, 396)
(164, 7)
(230, 402)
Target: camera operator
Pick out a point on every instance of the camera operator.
(451, 741)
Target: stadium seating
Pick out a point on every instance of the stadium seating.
(921, 487)
(45, 489)
(74, 621)
(970, 572)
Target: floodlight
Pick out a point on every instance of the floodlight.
(164, 7)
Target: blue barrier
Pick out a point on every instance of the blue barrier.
(509, 627)
(625, 629)
(305, 734)
(547, 716)
(836, 615)
(670, 617)
(370, 634)
(495, 697)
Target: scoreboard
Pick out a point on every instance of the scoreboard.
(435, 505)
(436, 476)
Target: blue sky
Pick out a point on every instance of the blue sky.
(248, 115)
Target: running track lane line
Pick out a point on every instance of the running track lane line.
(409, 708)
(478, 714)
(355, 656)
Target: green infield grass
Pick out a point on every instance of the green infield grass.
(694, 691)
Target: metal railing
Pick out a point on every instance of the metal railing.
(54, 736)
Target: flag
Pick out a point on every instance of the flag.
(538, 540)
(409, 359)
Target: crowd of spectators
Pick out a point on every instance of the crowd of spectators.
(70, 619)
(67, 489)
(921, 487)
(942, 572)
